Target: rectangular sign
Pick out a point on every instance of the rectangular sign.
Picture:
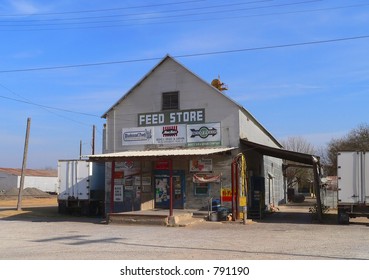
(118, 193)
(204, 134)
(172, 117)
(201, 165)
(162, 164)
(170, 134)
(137, 136)
(226, 194)
(146, 181)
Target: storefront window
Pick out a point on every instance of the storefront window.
(201, 188)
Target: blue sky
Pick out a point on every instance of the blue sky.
(316, 91)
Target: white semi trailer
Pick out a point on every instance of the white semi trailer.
(81, 187)
(353, 185)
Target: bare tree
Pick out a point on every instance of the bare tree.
(298, 175)
(356, 140)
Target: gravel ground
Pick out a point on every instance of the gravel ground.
(287, 234)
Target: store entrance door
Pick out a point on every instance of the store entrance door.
(162, 189)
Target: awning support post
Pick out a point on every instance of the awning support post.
(171, 188)
(319, 211)
(112, 187)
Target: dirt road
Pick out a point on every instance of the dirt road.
(288, 234)
(29, 202)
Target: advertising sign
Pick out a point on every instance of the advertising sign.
(118, 193)
(146, 181)
(201, 165)
(203, 134)
(170, 134)
(226, 194)
(137, 136)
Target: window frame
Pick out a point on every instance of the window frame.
(201, 185)
(170, 94)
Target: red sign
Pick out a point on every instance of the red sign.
(162, 165)
(118, 174)
(226, 194)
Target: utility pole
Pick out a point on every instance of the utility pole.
(24, 164)
(93, 139)
(80, 149)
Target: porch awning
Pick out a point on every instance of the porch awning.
(281, 153)
(159, 153)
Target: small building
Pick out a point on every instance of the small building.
(176, 141)
(44, 180)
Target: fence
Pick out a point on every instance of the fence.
(329, 198)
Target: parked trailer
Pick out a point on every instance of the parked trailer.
(81, 187)
(353, 185)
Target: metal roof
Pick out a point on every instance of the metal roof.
(30, 172)
(160, 153)
(281, 153)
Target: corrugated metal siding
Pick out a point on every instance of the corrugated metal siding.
(162, 153)
(273, 166)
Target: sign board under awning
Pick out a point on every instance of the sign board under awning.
(201, 165)
(205, 178)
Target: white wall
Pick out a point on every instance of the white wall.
(194, 93)
(46, 184)
(253, 132)
(8, 181)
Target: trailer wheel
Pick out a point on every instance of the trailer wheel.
(94, 209)
(343, 217)
(62, 207)
(85, 209)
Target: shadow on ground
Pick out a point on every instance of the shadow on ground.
(298, 217)
(44, 214)
(290, 214)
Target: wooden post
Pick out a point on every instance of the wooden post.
(24, 166)
(112, 187)
(319, 211)
(80, 149)
(171, 187)
(93, 139)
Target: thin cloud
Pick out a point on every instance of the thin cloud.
(27, 54)
(272, 92)
(24, 7)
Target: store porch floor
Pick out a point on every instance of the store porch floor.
(181, 217)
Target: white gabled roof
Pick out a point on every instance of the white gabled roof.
(205, 82)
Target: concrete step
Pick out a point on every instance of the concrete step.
(137, 219)
(153, 218)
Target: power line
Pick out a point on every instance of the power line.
(155, 12)
(144, 21)
(278, 46)
(29, 24)
(47, 107)
(102, 10)
(188, 55)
